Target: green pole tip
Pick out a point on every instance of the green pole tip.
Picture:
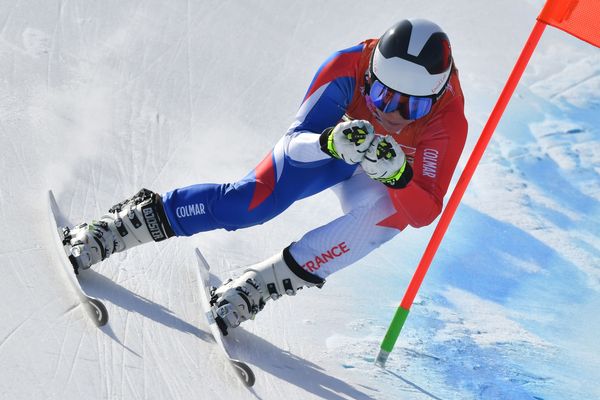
(382, 358)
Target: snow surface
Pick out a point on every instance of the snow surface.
(99, 99)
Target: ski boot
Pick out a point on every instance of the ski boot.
(140, 219)
(238, 300)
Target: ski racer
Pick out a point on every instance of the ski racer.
(382, 124)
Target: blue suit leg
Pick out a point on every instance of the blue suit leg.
(264, 193)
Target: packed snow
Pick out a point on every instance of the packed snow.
(100, 99)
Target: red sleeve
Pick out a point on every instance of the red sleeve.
(437, 153)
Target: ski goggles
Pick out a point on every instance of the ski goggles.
(388, 100)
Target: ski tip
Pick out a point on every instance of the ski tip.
(244, 372)
(54, 209)
(201, 259)
(51, 198)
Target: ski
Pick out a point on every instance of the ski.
(242, 370)
(95, 307)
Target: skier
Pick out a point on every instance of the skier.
(382, 124)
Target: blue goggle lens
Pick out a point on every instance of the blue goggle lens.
(388, 100)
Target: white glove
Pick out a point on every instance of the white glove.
(385, 161)
(348, 141)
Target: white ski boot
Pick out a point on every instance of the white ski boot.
(240, 299)
(140, 219)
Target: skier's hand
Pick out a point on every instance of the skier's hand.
(348, 141)
(385, 161)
